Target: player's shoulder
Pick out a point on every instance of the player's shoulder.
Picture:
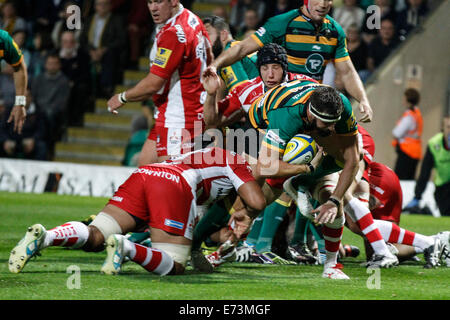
(333, 25)
(4, 36)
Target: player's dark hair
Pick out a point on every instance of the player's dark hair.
(217, 22)
(327, 101)
(272, 53)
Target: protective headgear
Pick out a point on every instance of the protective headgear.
(272, 53)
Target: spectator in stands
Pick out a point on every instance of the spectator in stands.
(140, 27)
(47, 14)
(75, 66)
(239, 9)
(61, 24)
(407, 137)
(251, 23)
(277, 7)
(9, 20)
(410, 17)
(382, 45)
(105, 37)
(437, 156)
(349, 14)
(42, 45)
(358, 51)
(31, 143)
(370, 31)
(51, 92)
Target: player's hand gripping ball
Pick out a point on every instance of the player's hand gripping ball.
(301, 149)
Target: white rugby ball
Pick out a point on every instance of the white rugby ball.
(300, 149)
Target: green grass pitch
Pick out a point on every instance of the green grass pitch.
(47, 277)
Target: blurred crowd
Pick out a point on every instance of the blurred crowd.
(71, 64)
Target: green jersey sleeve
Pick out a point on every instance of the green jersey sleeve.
(9, 50)
(347, 125)
(284, 123)
(274, 30)
(341, 52)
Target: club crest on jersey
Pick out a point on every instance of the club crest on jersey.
(314, 63)
(162, 56)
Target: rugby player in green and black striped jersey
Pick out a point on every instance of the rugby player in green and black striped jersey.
(312, 39)
(10, 52)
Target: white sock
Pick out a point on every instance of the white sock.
(72, 234)
(363, 218)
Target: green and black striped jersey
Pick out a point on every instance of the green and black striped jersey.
(281, 110)
(9, 51)
(309, 48)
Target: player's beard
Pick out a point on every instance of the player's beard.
(217, 48)
(312, 126)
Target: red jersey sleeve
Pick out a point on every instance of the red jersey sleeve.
(170, 50)
(239, 171)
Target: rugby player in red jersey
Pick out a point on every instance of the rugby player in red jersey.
(163, 197)
(181, 51)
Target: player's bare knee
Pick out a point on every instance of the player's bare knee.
(95, 242)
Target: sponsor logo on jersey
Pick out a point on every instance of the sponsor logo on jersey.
(316, 47)
(116, 198)
(162, 56)
(261, 31)
(193, 21)
(228, 75)
(272, 136)
(161, 174)
(180, 33)
(174, 224)
(314, 63)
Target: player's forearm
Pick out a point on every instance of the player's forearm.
(348, 173)
(353, 84)
(279, 169)
(235, 53)
(21, 79)
(210, 112)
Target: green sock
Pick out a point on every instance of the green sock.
(216, 218)
(301, 227)
(253, 236)
(273, 215)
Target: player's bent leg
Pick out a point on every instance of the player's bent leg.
(168, 255)
(332, 233)
(73, 234)
(111, 220)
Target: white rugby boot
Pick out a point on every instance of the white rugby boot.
(27, 248)
(114, 255)
(335, 272)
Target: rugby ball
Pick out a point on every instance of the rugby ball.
(300, 149)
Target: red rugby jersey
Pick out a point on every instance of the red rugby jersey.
(179, 55)
(212, 173)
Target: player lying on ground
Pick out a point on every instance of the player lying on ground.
(385, 204)
(164, 197)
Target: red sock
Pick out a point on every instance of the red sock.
(152, 260)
